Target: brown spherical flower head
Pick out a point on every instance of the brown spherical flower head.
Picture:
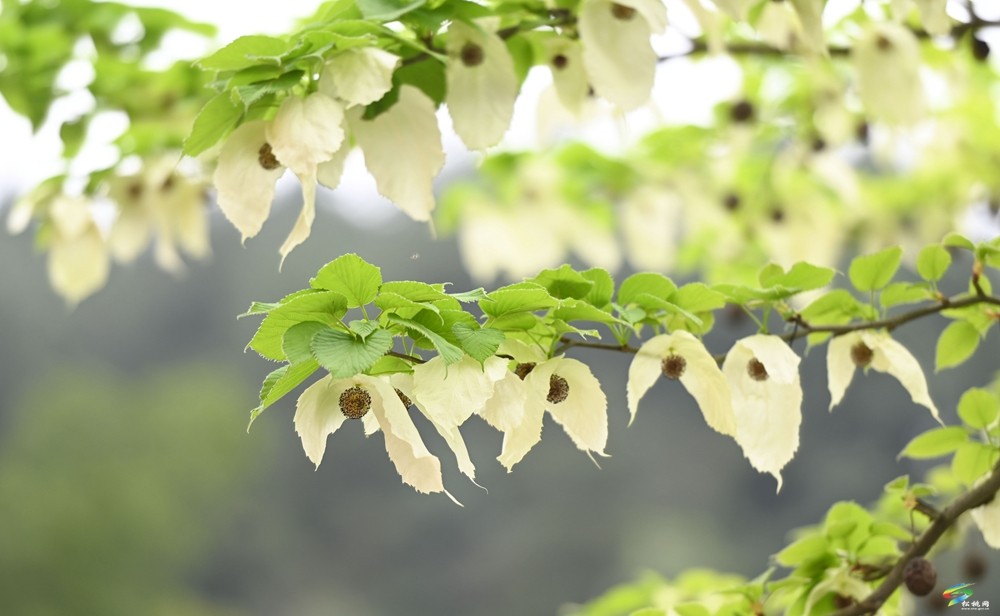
(756, 370)
(266, 157)
(622, 12)
(558, 389)
(920, 576)
(883, 43)
(523, 370)
(974, 566)
(471, 55)
(673, 366)
(861, 354)
(404, 398)
(135, 189)
(560, 61)
(741, 111)
(355, 402)
(980, 49)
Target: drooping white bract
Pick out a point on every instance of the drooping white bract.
(763, 375)
(564, 387)
(987, 518)
(617, 52)
(358, 76)
(403, 151)
(482, 85)
(78, 261)
(565, 58)
(320, 411)
(682, 356)
(933, 14)
(449, 395)
(887, 63)
(245, 177)
(650, 220)
(162, 202)
(877, 350)
(304, 133)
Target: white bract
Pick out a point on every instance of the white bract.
(320, 411)
(403, 152)
(78, 262)
(763, 375)
(358, 76)
(987, 518)
(565, 59)
(617, 52)
(564, 387)
(482, 85)
(245, 177)
(683, 357)
(887, 61)
(650, 219)
(876, 350)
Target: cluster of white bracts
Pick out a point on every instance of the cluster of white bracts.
(761, 408)
(448, 396)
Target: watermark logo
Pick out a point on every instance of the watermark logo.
(961, 595)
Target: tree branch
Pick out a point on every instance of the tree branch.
(977, 496)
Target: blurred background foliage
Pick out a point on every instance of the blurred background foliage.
(129, 485)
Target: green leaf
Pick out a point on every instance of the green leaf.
(801, 277)
(387, 10)
(72, 135)
(351, 276)
(344, 354)
(219, 116)
(650, 283)
(935, 443)
(257, 91)
(579, 310)
(564, 283)
(327, 307)
(979, 408)
(957, 240)
(467, 297)
(416, 291)
(244, 52)
(279, 383)
(362, 327)
(802, 551)
(972, 461)
(479, 343)
(510, 300)
(900, 293)
(683, 609)
(448, 351)
(604, 287)
(956, 344)
(873, 272)
(296, 343)
(389, 365)
(932, 262)
(697, 297)
(393, 301)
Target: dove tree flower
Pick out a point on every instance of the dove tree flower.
(879, 351)
(326, 404)
(482, 85)
(987, 519)
(564, 387)
(617, 52)
(887, 61)
(763, 375)
(78, 262)
(680, 356)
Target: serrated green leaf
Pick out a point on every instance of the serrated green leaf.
(362, 327)
(956, 344)
(933, 262)
(279, 383)
(254, 92)
(326, 307)
(511, 300)
(873, 272)
(580, 310)
(389, 364)
(351, 276)
(979, 408)
(479, 343)
(467, 297)
(697, 297)
(219, 116)
(448, 351)
(296, 343)
(344, 354)
(935, 443)
(564, 283)
(387, 301)
(649, 283)
(244, 52)
(973, 460)
(413, 290)
(258, 308)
